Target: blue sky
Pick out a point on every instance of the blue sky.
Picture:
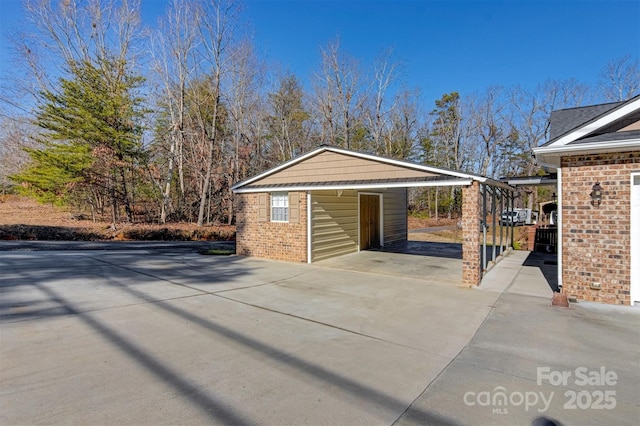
(465, 46)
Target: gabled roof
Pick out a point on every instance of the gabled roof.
(564, 120)
(329, 167)
(592, 129)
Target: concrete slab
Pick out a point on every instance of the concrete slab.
(141, 338)
(522, 343)
(438, 319)
(434, 269)
(502, 275)
(166, 337)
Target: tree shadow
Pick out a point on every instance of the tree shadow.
(548, 265)
(424, 248)
(47, 233)
(220, 272)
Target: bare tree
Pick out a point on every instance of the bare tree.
(339, 95)
(218, 30)
(620, 79)
(245, 79)
(385, 73)
(404, 125)
(491, 131)
(72, 32)
(174, 49)
(287, 120)
(15, 136)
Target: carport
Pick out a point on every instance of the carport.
(330, 202)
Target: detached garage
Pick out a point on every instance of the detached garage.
(332, 201)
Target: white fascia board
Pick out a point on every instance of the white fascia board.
(549, 156)
(606, 146)
(598, 124)
(595, 147)
(357, 186)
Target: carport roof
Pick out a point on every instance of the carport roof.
(413, 175)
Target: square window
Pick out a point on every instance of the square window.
(280, 207)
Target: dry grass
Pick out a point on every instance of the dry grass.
(420, 222)
(24, 219)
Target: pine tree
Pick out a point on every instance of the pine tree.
(91, 137)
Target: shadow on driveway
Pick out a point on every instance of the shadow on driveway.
(548, 264)
(49, 280)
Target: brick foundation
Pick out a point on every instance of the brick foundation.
(596, 240)
(270, 240)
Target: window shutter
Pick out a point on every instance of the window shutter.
(263, 207)
(294, 207)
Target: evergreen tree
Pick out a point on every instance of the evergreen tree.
(91, 138)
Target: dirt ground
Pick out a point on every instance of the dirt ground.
(24, 219)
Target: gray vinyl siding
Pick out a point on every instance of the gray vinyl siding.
(334, 224)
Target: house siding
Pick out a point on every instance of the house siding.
(596, 239)
(270, 240)
(335, 167)
(395, 215)
(334, 220)
(334, 223)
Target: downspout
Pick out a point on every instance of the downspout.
(559, 226)
(484, 227)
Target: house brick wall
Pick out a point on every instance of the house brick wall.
(270, 240)
(471, 273)
(596, 240)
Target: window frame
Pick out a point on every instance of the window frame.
(279, 198)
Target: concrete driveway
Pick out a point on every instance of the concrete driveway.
(172, 337)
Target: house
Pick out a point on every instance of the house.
(333, 201)
(596, 153)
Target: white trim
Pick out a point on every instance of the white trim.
(355, 186)
(400, 163)
(358, 223)
(381, 220)
(604, 146)
(603, 121)
(550, 156)
(309, 227)
(380, 216)
(271, 206)
(634, 266)
(559, 227)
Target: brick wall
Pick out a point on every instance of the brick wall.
(596, 240)
(471, 273)
(270, 240)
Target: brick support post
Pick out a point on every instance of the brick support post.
(471, 273)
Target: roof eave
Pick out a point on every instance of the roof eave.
(550, 155)
(249, 189)
(399, 163)
(599, 122)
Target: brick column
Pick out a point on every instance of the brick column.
(471, 273)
